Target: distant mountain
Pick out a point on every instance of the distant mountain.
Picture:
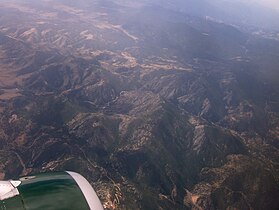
(160, 107)
(240, 13)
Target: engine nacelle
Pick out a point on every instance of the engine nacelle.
(49, 191)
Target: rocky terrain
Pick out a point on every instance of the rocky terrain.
(157, 108)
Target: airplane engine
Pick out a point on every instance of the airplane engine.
(49, 191)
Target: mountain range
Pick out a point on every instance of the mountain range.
(159, 104)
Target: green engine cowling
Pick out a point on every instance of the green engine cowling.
(49, 191)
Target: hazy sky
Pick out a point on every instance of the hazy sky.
(268, 3)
